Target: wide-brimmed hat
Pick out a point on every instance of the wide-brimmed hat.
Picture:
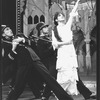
(44, 25)
(3, 27)
(41, 25)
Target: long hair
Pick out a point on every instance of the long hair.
(56, 34)
(55, 27)
(56, 16)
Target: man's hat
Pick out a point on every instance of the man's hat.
(3, 27)
(44, 25)
(41, 25)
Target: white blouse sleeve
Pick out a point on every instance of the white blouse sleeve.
(70, 20)
(54, 41)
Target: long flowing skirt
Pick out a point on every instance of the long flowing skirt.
(67, 71)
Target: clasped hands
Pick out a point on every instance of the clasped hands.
(16, 41)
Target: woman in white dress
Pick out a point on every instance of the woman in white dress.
(62, 40)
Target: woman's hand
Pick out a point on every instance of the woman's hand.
(75, 7)
(78, 0)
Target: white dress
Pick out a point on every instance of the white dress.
(66, 61)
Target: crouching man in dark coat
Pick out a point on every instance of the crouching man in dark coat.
(28, 62)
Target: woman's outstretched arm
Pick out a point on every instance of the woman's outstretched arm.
(75, 7)
(73, 13)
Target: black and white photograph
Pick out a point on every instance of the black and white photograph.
(48, 50)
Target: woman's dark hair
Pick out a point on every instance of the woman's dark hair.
(56, 16)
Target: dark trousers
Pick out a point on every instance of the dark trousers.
(50, 64)
(51, 82)
(24, 76)
(83, 89)
(8, 71)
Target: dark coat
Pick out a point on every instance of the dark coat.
(47, 55)
(28, 64)
(8, 66)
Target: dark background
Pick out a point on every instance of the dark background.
(8, 14)
(7, 17)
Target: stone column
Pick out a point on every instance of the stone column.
(25, 21)
(18, 20)
(87, 40)
(64, 8)
(46, 11)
